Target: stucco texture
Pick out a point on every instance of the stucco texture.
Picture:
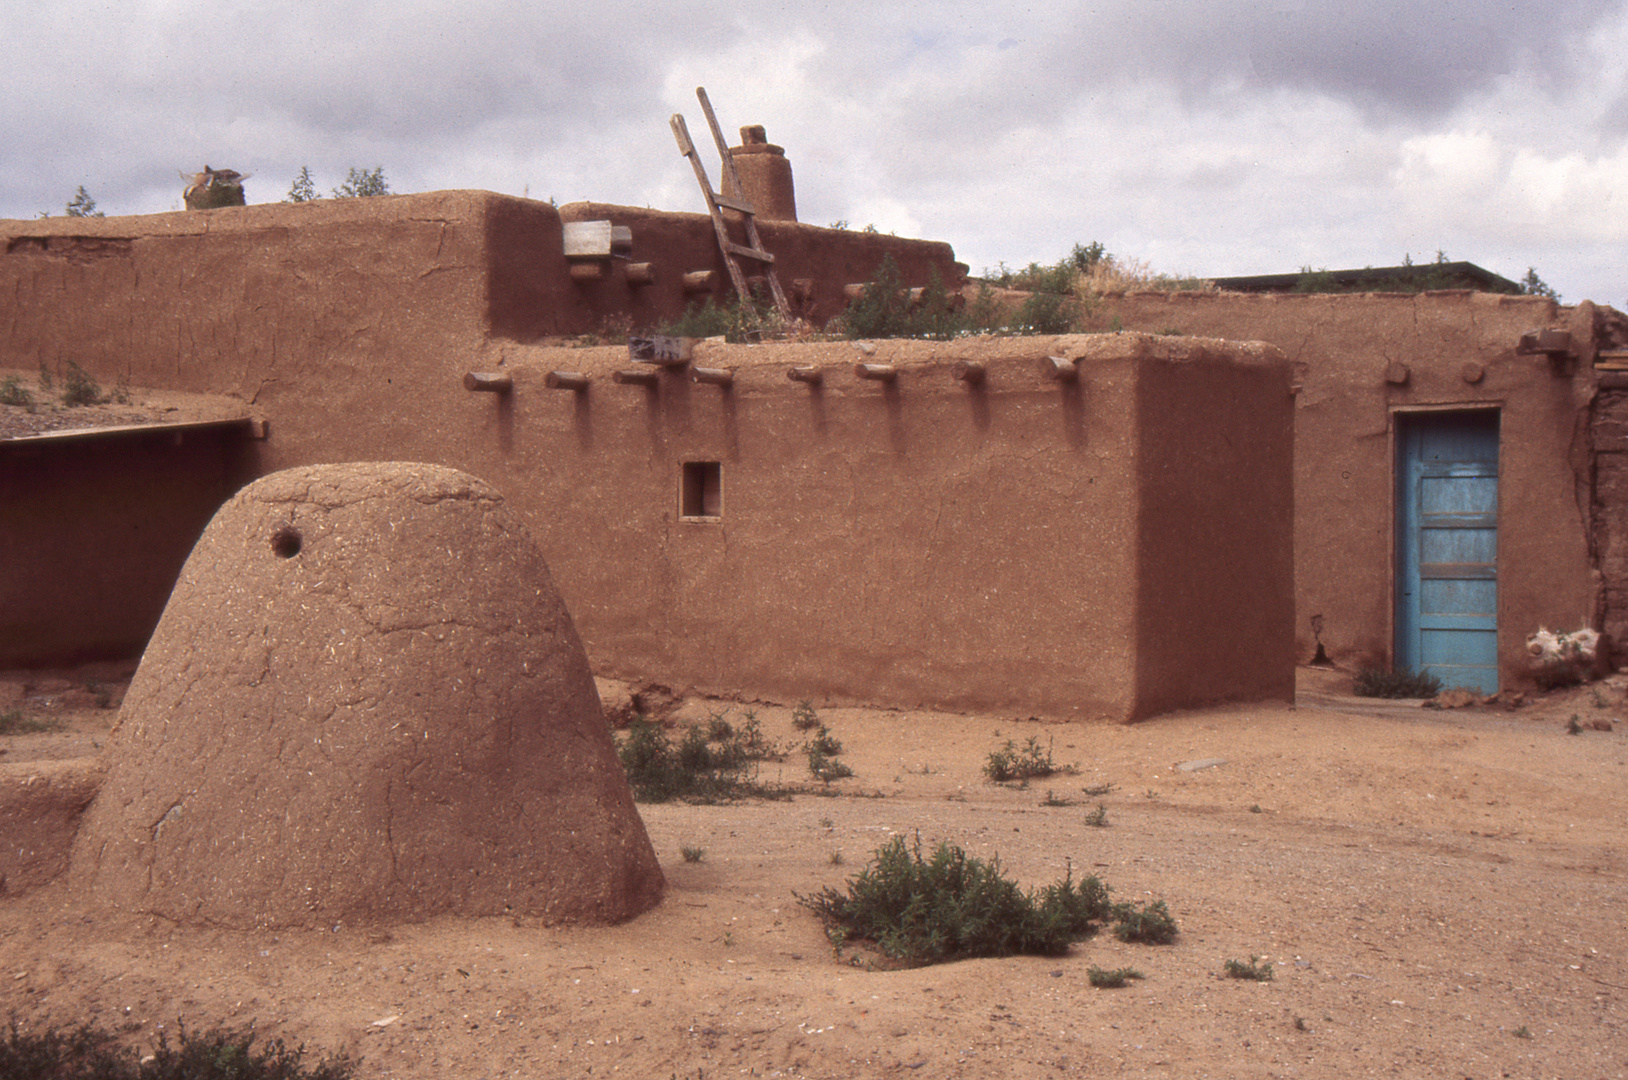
(1358, 362)
(365, 701)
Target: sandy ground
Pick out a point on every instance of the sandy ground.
(1440, 893)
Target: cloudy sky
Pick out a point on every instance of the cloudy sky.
(1205, 137)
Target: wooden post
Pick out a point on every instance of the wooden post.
(724, 377)
(636, 377)
(1060, 369)
(488, 382)
(884, 373)
(812, 375)
(641, 274)
(566, 380)
(699, 281)
(970, 372)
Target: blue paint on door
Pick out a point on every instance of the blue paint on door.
(1447, 547)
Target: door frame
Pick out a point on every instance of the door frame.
(1395, 415)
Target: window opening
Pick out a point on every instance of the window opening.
(702, 490)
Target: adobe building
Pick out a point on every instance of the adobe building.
(1088, 527)
(1459, 468)
(912, 539)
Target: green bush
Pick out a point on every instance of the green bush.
(1105, 979)
(86, 1053)
(78, 388)
(1150, 924)
(822, 750)
(953, 906)
(13, 392)
(698, 769)
(1400, 683)
(1254, 971)
(1010, 763)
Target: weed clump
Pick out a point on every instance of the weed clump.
(86, 1053)
(953, 906)
(693, 853)
(1150, 924)
(1256, 970)
(13, 392)
(14, 722)
(1112, 979)
(1010, 763)
(1400, 683)
(822, 750)
(697, 769)
(78, 388)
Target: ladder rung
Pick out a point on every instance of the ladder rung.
(749, 253)
(730, 203)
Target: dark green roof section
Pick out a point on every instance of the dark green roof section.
(1422, 277)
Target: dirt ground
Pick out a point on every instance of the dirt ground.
(1439, 893)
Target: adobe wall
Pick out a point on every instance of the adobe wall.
(95, 532)
(1014, 547)
(1359, 360)
(918, 543)
(676, 244)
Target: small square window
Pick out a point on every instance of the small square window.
(701, 493)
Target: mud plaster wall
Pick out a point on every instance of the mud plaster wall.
(911, 543)
(1342, 348)
(107, 523)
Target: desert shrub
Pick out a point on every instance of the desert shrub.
(13, 392)
(1010, 763)
(1111, 979)
(692, 853)
(14, 722)
(823, 749)
(78, 388)
(804, 718)
(86, 1053)
(1254, 971)
(1043, 313)
(953, 906)
(1399, 683)
(1098, 818)
(698, 769)
(736, 322)
(1150, 924)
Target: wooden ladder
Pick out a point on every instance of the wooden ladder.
(716, 204)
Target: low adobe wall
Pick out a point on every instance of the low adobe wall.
(823, 260)
(1099, 549)
(1360, 360)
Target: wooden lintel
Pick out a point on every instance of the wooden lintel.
(699, 280)
(566, 380)
(810, 375)
(724, 377)
(635, 377)
(488, 382)
(885, 373)
(587, 271)
(641, 274)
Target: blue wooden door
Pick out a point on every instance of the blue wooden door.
(1447, 547)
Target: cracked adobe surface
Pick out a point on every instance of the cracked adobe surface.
(365, 700)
